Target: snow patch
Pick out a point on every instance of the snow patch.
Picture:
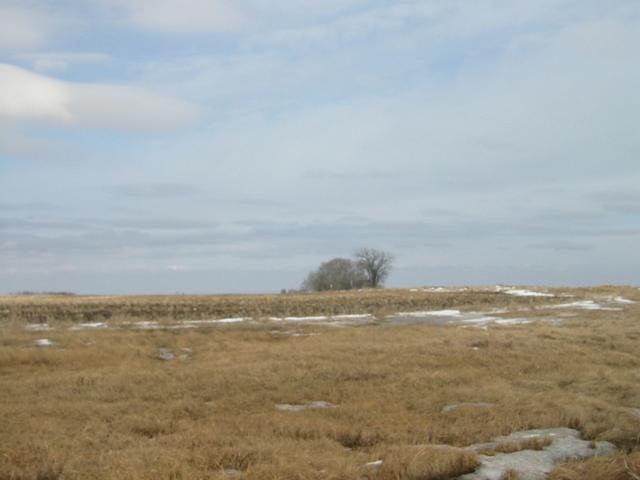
(90, 326)
(288, 407)
(431, 313)
(43, 342)
(586, 305)
(37, 327)
(526, 293)
(534, 464)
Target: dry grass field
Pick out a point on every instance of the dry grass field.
(101, 404)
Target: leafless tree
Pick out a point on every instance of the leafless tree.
(335, 274)
(376, 265)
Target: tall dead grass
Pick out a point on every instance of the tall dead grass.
(102, 405)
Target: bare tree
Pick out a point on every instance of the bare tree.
(376, 265)
(335, 274)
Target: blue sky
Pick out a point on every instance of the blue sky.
(230, 146)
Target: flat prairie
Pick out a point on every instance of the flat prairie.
(377, 384)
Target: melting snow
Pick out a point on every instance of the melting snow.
(535, 464)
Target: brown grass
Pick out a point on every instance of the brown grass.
(101, 405)
(43, 308)
(509, 447)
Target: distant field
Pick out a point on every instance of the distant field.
(98, 308)
(146, 388)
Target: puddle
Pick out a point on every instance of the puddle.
(534, 464)
(288, 407)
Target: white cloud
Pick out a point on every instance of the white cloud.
(180, 17)
(20, 28)
(28, 96)
(25, 95)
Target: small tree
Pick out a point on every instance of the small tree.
(335, 274)
(376, 265)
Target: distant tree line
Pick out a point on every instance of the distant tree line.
(368, 268)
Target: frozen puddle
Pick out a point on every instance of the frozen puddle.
(534, 464)
(89, 326)
(43, 342)
(288, 407)
(335, 320)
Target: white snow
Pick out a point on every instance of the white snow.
(622, 300)
(318, 318)
(38, 327)
(585, 305)
(335, 320)
(43, 342)
(513, 321)
(89, 326)
(288, 407)
(432, 313)
(214, 321)
(526, 293)
(144, 325)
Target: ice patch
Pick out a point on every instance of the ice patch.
(534, 464)
(89, 326)
(288, 407)
(43, 342)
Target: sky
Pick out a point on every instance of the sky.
(217, 146)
